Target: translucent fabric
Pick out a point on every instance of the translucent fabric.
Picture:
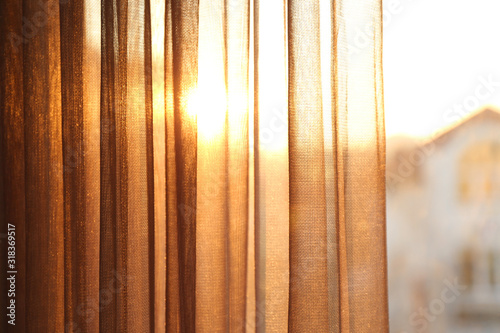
(193, 166)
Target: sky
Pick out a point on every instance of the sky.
(441, 62)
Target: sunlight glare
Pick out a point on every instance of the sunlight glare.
(209, 100)
(208, 104)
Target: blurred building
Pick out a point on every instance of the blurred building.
(443, 228)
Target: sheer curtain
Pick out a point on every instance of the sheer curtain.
(193, 166)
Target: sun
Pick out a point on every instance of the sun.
(208, 105)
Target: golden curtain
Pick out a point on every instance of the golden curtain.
(193, 165)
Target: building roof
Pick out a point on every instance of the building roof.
(487, 113)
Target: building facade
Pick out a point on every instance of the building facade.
(443, 229)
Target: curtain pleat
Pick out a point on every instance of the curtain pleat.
(181, 68)
(172, 257)
(127, 183)
(222, 180)
(271, 168)
(193, 165)
(308, 229)
(80, 70)
(360, 167)
(212, 183)
(110, 171)
(237, 20)
(12, 154)
(159, 147)
(45, 266)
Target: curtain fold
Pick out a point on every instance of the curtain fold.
(193, 165)
(271, 167)
(308, 298)
(182, 31)
(80, 91)
(12, 153)
(359, 145)
(126, 276)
